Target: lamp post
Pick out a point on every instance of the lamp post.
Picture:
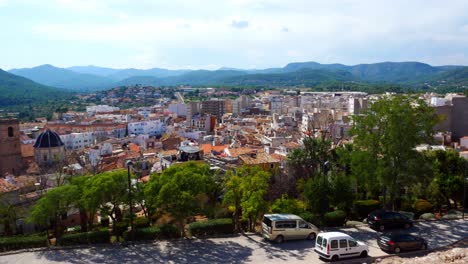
(129, 164)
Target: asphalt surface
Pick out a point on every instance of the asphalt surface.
(237, 249)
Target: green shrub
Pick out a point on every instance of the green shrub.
(101, 236)
(94, 237)
(20, 242)
(285, 205)
(119, 228)
(336, 218)
(311, 218)
(151, 233)
(363, 207)
(212, 227)
(72, 239)
(422, 206)
(141, 222)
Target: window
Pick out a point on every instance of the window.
(303, 224)
(10, 132)
(286, 224)
(319, 240)
(343, 243)
(352, 243)
(324, 242)
(334, 244)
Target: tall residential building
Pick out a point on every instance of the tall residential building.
(213, 107)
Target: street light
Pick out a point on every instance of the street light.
(129, 164)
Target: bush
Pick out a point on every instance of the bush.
(311, 218)
(363, 207)
(336, 218)
(422, 206)
(141, 222)
(212, 227)
(152, 233)
(119, 228)
(94, 237)
(285, 205)
(20, 242)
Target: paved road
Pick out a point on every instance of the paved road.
(241, 249)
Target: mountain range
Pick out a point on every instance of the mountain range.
(304, 74)
(16, 90)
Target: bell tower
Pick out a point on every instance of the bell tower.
(10, 147)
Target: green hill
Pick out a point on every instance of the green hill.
(17, 90)
(63, 78)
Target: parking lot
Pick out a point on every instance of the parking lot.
(236, 249)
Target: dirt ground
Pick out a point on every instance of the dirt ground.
(457, 253)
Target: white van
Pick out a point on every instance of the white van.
(337, 245)
(280, 227)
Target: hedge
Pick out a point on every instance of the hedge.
(422, 206)
(141, 222)
(20, 242)
(314, 219)
(93, 237)
(363, 207)
(212, 227)
(152, 233)
(336, 218)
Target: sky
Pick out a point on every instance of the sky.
(209, 34)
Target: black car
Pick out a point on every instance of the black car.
(399, 242)
(381, 220)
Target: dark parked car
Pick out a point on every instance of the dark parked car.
(381, 220)
(399, 242)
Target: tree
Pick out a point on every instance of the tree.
(448, 169)
(106, 192)
(387, 135)
(245, 191)
(55, 203)
(308, 161)
(286, 205)
(177, 190)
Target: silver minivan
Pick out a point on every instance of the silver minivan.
(280, 227)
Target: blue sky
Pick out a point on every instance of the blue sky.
(209, 34)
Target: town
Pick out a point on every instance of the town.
(153, 131)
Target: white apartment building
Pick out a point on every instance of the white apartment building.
(76, 141)
(152, 128)
(437, 101)
(92, 110)
(178, 109)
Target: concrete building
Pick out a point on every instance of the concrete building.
(193, 108)
(10, 147)
(152, 128)
(75, 141)
(178, 108)
(92, 110)
(459, 117)
(213, 107)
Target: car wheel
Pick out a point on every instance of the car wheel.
(311, 236)
(363, 254)
(279, 239)
(381, 227)
(423, 246)
(406, 226)
(397, 250)
(335, 258)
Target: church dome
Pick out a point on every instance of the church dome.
(48, 139)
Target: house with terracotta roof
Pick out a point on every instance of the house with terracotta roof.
(264, 160)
